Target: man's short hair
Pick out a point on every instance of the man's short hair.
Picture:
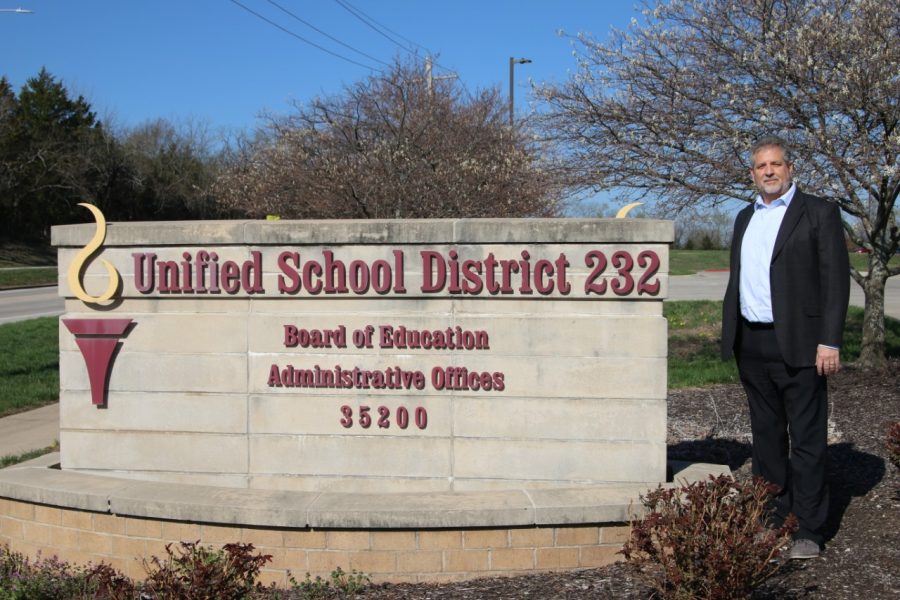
(769, 141)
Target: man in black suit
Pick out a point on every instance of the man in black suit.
(783, 319)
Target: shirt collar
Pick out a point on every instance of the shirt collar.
(783, 200)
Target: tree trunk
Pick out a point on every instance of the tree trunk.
(872, 353)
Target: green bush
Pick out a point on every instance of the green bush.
(707, 540)
(53, 579)
(340, 585)
(188, 572)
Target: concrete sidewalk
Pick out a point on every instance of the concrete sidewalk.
(30, 430)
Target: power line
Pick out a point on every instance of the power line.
(377, 28)
(303, 39)
(359, 14)
(331, 37)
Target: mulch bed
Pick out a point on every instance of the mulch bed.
(861, 560)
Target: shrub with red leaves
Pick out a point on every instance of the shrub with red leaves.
(708, 539)
(893, 443)
(194, 572)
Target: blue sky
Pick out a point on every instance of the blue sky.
(213, 61)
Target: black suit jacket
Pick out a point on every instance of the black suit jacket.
(809, 276)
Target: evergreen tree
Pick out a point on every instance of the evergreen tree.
(8, 104)
(45, 151)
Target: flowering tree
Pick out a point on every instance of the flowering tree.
(671, 106)
(396, 145)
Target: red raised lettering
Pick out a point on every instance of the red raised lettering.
(471, 270)
(525, 288)
(274, 376)
(562, 283)
(381, 276)
(648, 259)
(334, 270)
(365, 419)
(499, 384)
(543, 268)
(251, 274)
(144, 277)
(398, 272)
(623, 262)
(359, 276)
(596, 260)
(421, 417)
(434, 271)
(402, 417)
(289, 281)
(312, 276)
(231, 277)
(384, 414)
(290, 336)
(347, 419)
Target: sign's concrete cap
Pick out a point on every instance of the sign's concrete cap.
(40, 482)
(371, 231)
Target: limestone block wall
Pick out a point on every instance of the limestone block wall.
(557, 377)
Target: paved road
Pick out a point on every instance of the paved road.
(710, 285)
(28, 303)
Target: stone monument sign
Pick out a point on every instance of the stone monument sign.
(375, 356)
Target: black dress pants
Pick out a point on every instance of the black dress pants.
(789, 422)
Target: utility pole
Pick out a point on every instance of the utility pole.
(429, 78)
(512, 63)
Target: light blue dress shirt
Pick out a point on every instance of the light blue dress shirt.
(756, 256)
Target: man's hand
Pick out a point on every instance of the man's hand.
(828, 360)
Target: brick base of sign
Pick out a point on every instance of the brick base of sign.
(433, 555)
(433, 537)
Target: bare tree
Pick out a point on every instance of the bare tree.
(671, 106)
(172, 169)
(396, 145)
(703, 229)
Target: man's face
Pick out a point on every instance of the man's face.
(771, 173)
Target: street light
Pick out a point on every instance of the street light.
(512, 63)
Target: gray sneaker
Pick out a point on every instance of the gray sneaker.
(802, 549)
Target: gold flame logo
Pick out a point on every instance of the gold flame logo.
(623, 212)
(77, 266)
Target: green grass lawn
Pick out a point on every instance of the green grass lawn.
(861, 261)
(687, 262)
(16, 278)
(18, 262)
(694, 334)
(14, 459)
(27, 255)
(29, 364)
